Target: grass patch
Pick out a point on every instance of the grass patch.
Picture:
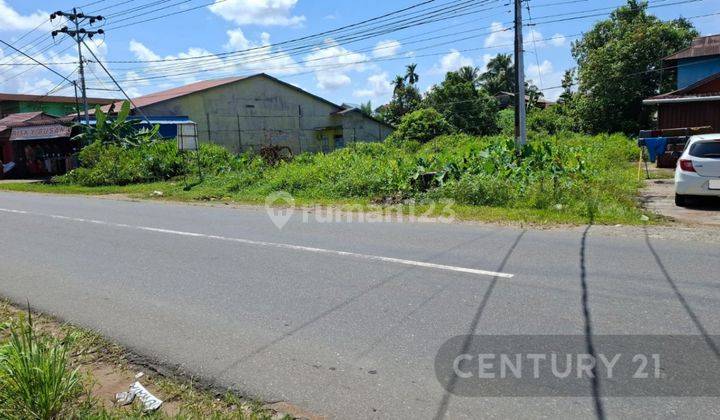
(569, 178)
(48, 370)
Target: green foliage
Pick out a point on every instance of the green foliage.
(506, 122)
(406, 97)
(500, 75)
(421, 126)
(119, 131)
(617, 67)
(110, 164)
(367, 109)
(552, 120)
(35, 379)
(464, 106)
(565, 173)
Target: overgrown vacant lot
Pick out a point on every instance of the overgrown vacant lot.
(568, 178)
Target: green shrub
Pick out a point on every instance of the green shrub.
(551, 120)
(421, 126)
(35, 379)
(506, 122)
(163, 160)
(108, 165)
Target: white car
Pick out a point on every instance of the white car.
(698, 170)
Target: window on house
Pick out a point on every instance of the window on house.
(339, 142)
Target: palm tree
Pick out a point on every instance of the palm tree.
(398, 85)
(469, 74)
(411, 75)
(500, 75)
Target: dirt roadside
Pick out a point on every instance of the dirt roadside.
(659, 196)
(108, 369)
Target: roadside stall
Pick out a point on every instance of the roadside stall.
(35, 145)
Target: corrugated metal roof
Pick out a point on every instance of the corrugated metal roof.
(24, 119)
(53, 99)
(687, 92)
(177, 92)
(19, 118)
(701, 47)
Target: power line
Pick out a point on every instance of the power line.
(270, 56)
(308, 37)
(227, 65)
(97, 60)
(33, 59)
(532, 34)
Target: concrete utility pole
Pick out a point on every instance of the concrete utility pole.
(520, 109)
(78, 35)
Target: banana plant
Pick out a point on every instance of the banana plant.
(118, 131)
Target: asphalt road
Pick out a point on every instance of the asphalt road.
(345, 319)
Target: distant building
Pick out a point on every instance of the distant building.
(696, 62)
(11, 103)
(696, 102)
(507, 99)
(245, 113)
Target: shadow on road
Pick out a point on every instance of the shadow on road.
(714, 347)
(443, 406)
(589, 346)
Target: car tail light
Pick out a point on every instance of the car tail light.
(687, 165)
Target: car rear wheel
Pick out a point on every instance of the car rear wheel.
(680, 200)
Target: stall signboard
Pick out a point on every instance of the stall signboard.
(40, 132)
(187, 137)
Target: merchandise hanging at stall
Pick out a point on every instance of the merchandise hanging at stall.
(35, 144)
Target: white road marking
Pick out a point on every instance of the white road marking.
(271, 244)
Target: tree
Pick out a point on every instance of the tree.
(500, 75)
(411, 75)
(470, 74)
(568, 82)
(464, 106)
(618, 62)
(422, 126)
(398, 84)
(367, 109)
(406, 98)
(534, 94)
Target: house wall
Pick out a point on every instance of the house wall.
(357, 127)
(260, 111)
(691, 70)
(692, 114)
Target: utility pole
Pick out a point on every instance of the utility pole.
(78, 35)
(520, 110)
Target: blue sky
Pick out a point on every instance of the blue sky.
(340, 71)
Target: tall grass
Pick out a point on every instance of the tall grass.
(35, 379)
(567, 176)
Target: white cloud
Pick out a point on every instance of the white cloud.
(452, 62)
(387, 48)
(535, 39)
(262, 57)
(331, 64)
(248, 57)
(258, 12)
(378, 86)
(11, 20)
(142, 52)
(499, 35)
(558, 40)
(545, 75)
(486, 59)
(535, 72)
